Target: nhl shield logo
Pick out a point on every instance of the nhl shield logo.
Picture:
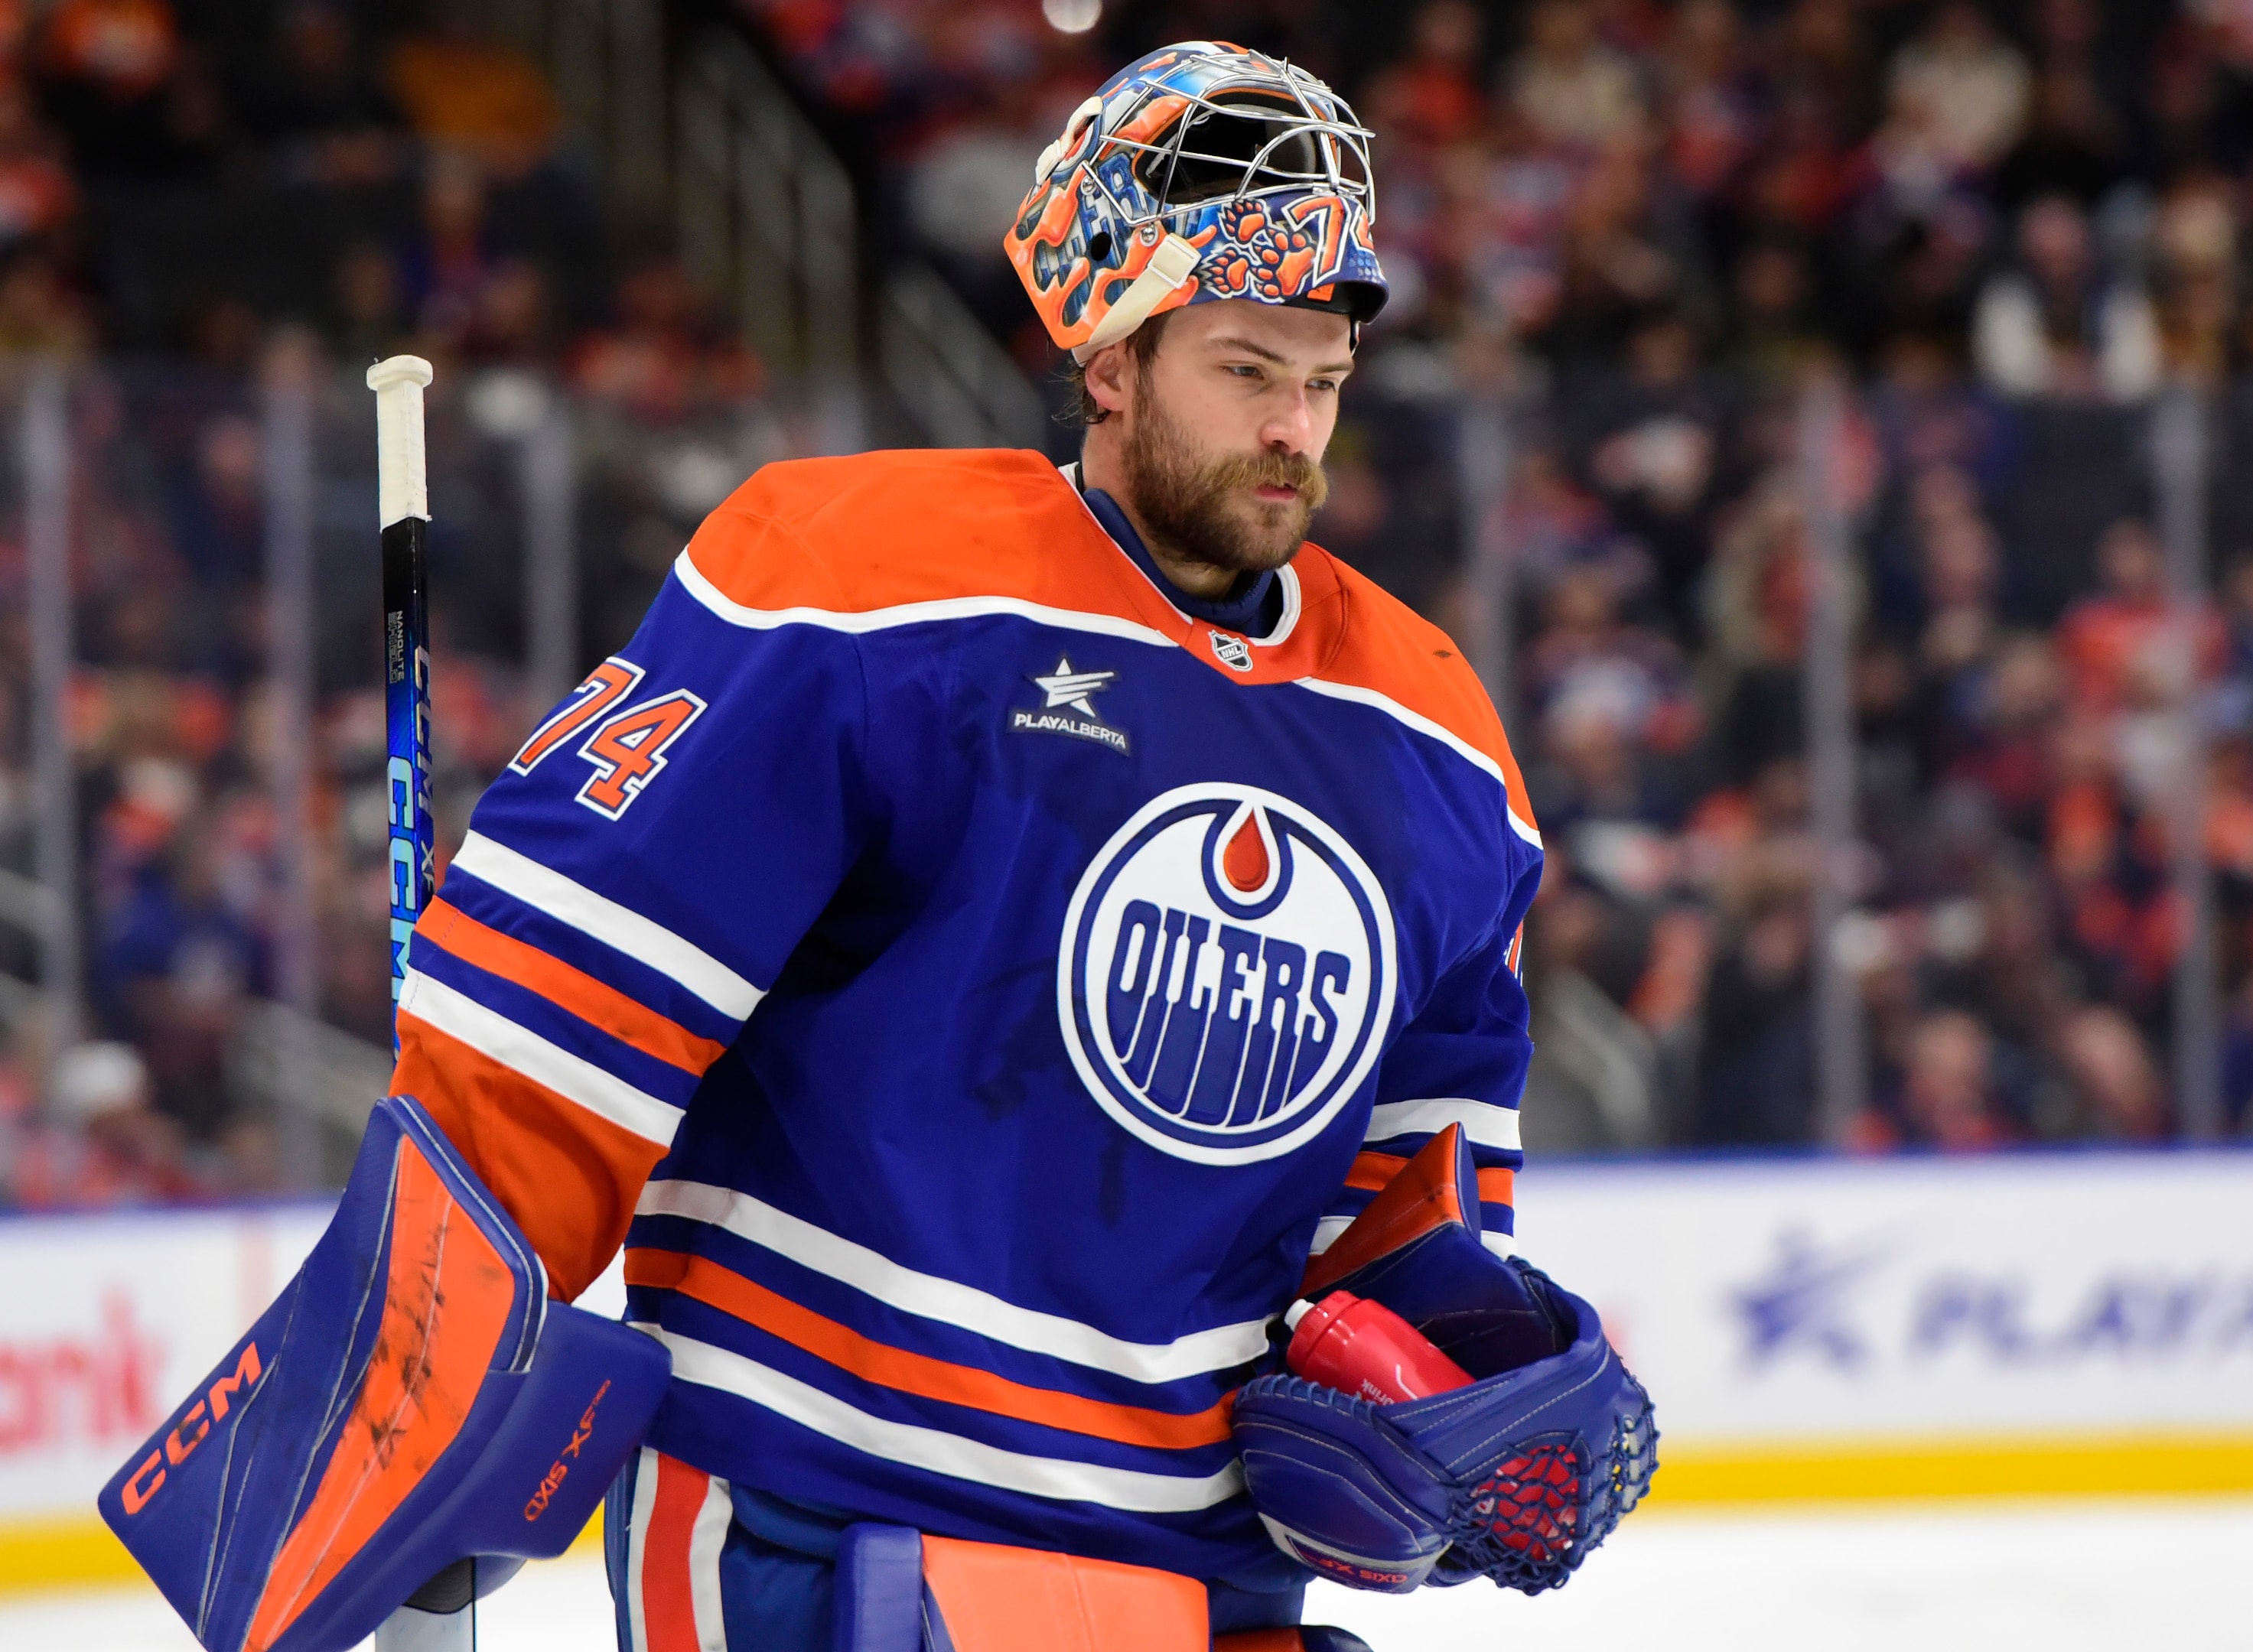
(1227, 974)
(1230, 650)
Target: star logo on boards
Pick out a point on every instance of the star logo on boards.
(1066, 708)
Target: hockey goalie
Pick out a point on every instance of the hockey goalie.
(1025, 962)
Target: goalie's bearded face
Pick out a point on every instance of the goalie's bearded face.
(1224, 429)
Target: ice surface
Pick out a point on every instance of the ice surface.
(2057, 1578)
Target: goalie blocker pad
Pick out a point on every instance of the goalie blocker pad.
(411, 1398)
(1516, 1477)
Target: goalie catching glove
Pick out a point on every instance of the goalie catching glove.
(1515, 1477)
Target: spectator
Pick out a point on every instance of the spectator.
(445, 266)
(2070, 148)
(1823, 61)
(1574, 91)
(1622, 260)
(219, 511)
(665, 359)
(1802, 181)
(1554, 526)
(37, 195)
(2194, 236)
(1655, 443)
(2115, 1084)
(1961, 87)
(1432, 96)
(467, 93)
(317, 103)
(2054, 327)
(1948, 1096)
(513, 322)
(1599, 1090)
(1757, 1074)
(104, 1143)
(1771, 293)
(2128, 630)
(368, 315)
(1711, 112)
(107, 68)
(174, 970)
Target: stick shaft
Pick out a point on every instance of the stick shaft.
(406, 732)
(404, 504)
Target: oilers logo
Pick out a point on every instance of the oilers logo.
(1227, 974)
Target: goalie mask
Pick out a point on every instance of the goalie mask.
(1204, 170)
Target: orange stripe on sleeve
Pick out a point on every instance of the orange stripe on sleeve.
(568, 1176)
(1497, 1186)
(715, 1287)
(1372, 1170)
(592, 1001)
(1421, 1194)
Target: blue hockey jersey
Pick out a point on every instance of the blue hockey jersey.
(979, 985)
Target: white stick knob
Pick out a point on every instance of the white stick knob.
(403, 486)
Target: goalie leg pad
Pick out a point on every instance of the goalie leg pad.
(410, 1398)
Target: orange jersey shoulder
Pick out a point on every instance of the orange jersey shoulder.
(1384, 646)
(889, 529)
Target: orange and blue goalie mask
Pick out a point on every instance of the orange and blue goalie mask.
(1204, 170)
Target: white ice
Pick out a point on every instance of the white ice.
(2088, 1577)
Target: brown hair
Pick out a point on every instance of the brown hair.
(1081, 409)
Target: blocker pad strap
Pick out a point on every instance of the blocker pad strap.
(410, 1398)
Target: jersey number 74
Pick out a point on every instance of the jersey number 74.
(626, 747)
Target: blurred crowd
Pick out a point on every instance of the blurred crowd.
(1627, 236)
(1642, 230)
(200, 207)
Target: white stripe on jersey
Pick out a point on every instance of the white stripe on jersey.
(874, 619)
(930, 1297)
(615, 926)
(525, 1052)
(1487, 1124)
(938, 1452)
(1325, 1233)
(707, 1536)
(645, 1502)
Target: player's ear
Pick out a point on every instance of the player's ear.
(1109, 373)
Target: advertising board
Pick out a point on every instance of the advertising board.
(1923, 1326)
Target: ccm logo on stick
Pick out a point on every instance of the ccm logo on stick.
(626, 747)
(193, 1427)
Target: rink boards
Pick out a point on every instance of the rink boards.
(2040, 1324)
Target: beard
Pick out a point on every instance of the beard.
(1200, 506)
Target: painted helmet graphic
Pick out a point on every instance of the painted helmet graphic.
(1204, 170)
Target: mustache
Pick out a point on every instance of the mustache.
(1293, 471)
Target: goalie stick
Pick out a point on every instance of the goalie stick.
(403, 501)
